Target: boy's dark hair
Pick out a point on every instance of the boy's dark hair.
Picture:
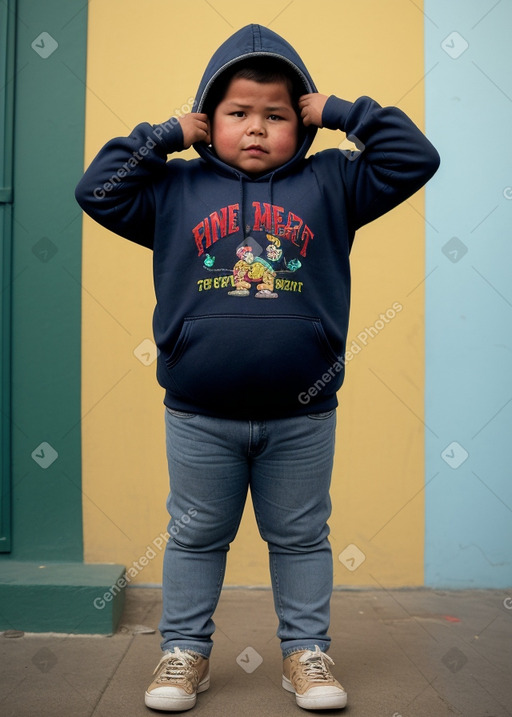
(257, 69)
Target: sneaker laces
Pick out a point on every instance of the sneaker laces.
(316, 665)
(178, 663)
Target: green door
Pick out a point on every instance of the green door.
(7, 25)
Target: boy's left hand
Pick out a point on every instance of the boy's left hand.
(311, 108)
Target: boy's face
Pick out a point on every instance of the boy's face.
(255, 127)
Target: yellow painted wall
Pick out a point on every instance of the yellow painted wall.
(144, 62)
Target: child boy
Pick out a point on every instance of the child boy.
(251, 248)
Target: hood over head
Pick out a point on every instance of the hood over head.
(248, 42)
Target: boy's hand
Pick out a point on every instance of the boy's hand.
(196, 128)
(311, 108)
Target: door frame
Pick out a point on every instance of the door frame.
(7, 62)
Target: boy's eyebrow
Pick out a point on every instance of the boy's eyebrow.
(270, 108)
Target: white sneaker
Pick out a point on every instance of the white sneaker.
(180, 675)
(307, 674)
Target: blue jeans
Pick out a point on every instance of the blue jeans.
(212, 462)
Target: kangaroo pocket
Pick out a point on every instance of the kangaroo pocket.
(251, 364)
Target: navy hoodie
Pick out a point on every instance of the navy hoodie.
(252, 275)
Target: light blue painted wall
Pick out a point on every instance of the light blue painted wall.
(469, 297)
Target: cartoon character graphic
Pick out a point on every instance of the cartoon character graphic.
(274, 252)
(250, 269)
(275, 255)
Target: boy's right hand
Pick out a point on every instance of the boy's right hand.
(196, 128)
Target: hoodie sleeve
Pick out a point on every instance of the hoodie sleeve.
(395, 159)
(117, 188)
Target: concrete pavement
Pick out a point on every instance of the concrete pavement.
(398, 653)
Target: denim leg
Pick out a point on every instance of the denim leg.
(209, 477)
(290, 481)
